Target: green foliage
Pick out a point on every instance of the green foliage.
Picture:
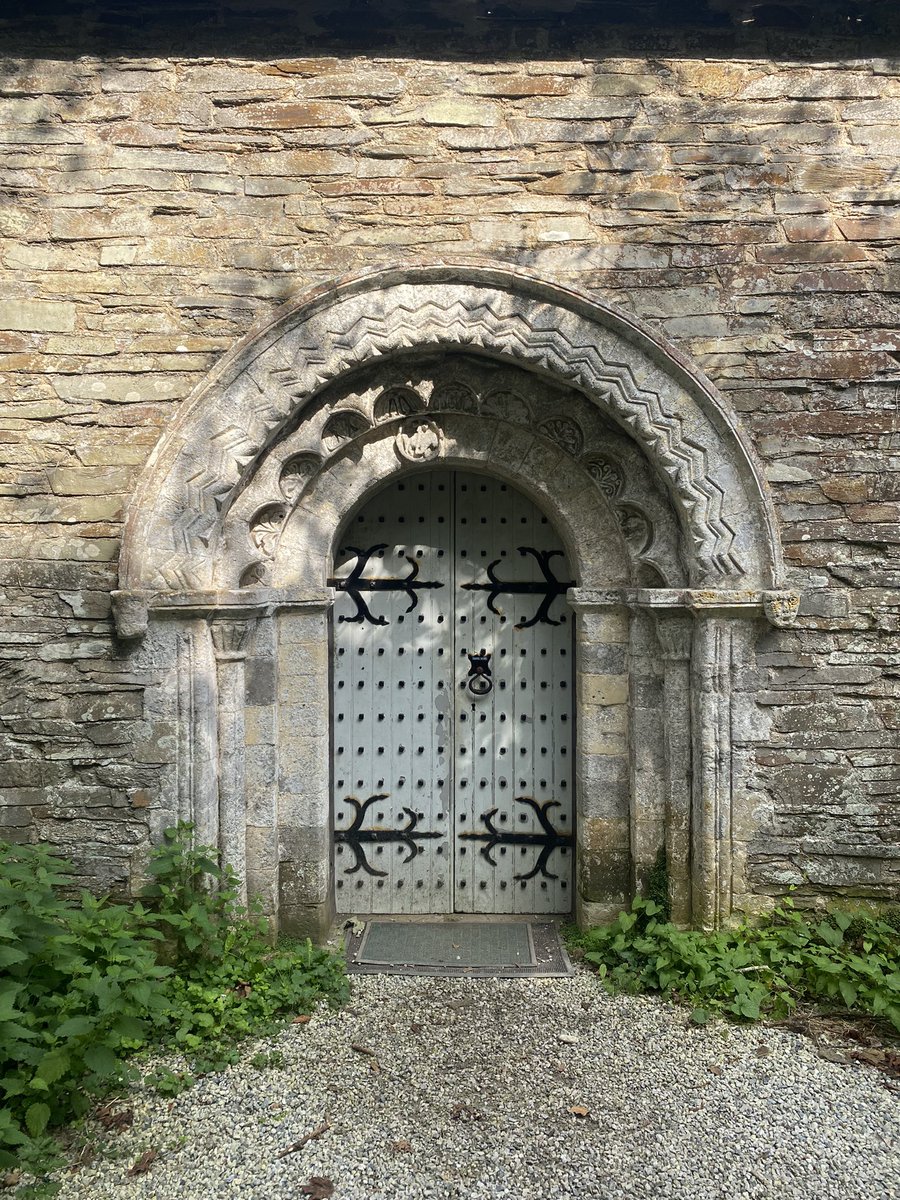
(84, 984)
(271, 1061)
(658, 883)
(80, 984)
(169, 1083)
(839, 961)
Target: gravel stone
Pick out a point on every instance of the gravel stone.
(478, 1099)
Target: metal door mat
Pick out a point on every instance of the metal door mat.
(499, 949)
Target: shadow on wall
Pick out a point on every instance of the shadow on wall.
(436, 28)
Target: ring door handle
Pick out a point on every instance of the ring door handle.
(479, 680)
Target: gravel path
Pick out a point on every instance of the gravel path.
(470, 1093)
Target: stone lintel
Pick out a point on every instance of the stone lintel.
(132, 609)
(779, 607)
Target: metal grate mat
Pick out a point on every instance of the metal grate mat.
(475, 948)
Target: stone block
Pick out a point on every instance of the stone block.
(89, 481)
(40, 316)
(870, 229)
(515, 86)
(302, 756)
(539, 130)
(355, 85)
(137, 388)
(809, 229)
(602, 689)
(286, 114)
(259, 725)
(608, 83)
(459, 112)
(651, 201)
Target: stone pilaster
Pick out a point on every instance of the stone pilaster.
(674, 634)
(230, 638)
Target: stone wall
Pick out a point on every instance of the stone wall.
(155, 209)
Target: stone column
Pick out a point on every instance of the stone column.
(260, 725)
(674, 633)
(230, 637)
(306, 893)
(647, 750)
(711, 713)
(603, 829)
(198, 770)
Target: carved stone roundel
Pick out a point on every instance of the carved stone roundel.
(419, 441)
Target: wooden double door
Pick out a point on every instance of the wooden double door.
(452, 703)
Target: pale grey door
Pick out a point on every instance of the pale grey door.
(452, 703)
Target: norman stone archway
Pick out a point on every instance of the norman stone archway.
(667, 525)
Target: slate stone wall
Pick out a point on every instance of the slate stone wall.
(154, 209)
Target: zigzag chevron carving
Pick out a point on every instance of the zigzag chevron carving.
(551, 339)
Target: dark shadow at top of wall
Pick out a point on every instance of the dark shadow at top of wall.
(505, 30)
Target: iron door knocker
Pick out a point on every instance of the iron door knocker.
(479, 679)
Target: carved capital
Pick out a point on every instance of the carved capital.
(230, 638)
(674, 634)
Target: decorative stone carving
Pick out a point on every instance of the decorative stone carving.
(256, 575)
(396, 402)
(418, 441)
(131, 613)
(673, 412)
(230, 637)
(295, 473)
(636, 528)
(781, 608)
(266, 526)
(453, 397)
(342, 427)
(508, 407)
(566, 433)
(607, 475)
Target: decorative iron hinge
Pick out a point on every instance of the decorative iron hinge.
(356, 837)
(549, 839)
(354, 585)
(550, 588)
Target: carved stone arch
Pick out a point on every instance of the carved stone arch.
(228, 545)
(633, 376)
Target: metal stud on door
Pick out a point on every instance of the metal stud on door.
(452, 703)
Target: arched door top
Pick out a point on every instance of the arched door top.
(175, 534)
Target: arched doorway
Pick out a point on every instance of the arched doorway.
(667, 524)
(452, 702)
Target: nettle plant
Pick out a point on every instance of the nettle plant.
(81, 985)
(841, 960)
(85, 983)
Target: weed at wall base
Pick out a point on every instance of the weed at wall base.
(84, 984)
(846, 962)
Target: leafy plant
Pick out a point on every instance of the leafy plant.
(169, 1083)
(85, 983)
(81, 986)
(847, 962)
